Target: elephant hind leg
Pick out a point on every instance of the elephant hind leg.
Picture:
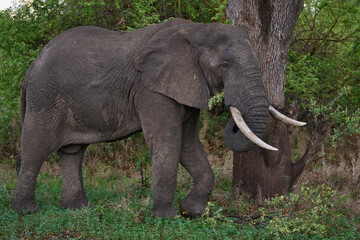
(72, 190)
(24, 194)
(33, 153)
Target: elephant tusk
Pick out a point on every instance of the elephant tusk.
(276, 114)
(240, 123)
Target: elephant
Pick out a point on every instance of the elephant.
(91, 85)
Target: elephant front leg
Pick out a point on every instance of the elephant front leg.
(194, 160)
(161, 121)
(165, 163)
(165, 154)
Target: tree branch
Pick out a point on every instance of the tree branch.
(317, 136)
(323, 39)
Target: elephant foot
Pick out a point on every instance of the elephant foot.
(75, 203)
(28, 206)
(193, 205)
(164, 211)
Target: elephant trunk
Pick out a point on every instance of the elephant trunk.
(245, 92)
(243, 127)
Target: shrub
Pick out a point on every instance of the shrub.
(313, 213)
(323, 67)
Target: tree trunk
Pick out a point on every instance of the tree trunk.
(270, 24)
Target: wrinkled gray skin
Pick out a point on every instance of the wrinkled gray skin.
(92, 85)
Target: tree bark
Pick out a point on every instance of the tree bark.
(270, 24)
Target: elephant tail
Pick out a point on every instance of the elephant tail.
(22, 112)
(18, 164)
(22, 104)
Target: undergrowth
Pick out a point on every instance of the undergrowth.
(121, 205)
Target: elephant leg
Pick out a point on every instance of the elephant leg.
(72, 189)
(24, 194)
(34, 151)
(165, 163)
(161, 121)
(194, 160)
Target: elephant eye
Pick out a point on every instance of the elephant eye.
(224, 66)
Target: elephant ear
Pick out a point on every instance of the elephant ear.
(168, 65)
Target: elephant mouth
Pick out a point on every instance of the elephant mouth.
(235, 129)
(239, 124)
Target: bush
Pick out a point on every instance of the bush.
(325, 91)
(316, 213)
(323, 67)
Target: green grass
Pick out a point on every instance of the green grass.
(120, 209)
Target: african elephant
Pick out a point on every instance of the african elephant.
(91, 85)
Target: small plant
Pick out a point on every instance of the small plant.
(214, 215)
(141, 159)
(315, 212)
(216, 100)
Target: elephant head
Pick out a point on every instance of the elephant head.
(191, 62)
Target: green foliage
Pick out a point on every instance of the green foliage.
(142, 14)
(314, 213)
(216, 100)
(324, 94)
(214, 215)
(118, 211)
(323, 70)
(203, 11)
(213, 123)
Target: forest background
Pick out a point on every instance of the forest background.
(322, 84)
